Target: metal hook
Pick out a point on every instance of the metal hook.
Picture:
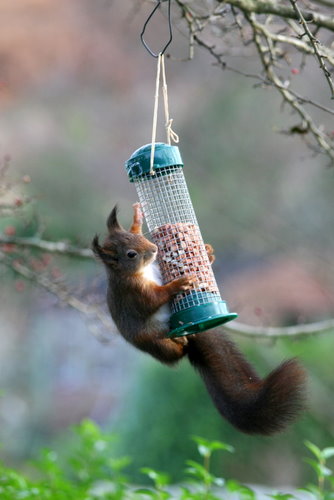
(169, 27)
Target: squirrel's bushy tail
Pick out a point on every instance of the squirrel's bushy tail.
(253, 405)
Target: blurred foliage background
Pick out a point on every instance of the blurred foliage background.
(76, 94)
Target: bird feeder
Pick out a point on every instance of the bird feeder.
(173, 227)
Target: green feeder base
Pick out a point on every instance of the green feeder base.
(199, 318)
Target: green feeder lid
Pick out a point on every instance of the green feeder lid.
(139, 164)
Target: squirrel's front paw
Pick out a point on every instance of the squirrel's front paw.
(210, 251)
(186, 282)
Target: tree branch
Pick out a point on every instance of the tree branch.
(326, 326)
(57, 247)
(276, 8)
(94, 311)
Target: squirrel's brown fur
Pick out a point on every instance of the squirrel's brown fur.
(136, 303)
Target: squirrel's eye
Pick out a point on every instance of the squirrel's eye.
(131, 254)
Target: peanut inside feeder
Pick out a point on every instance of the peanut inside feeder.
(181, 253)
(173, 226)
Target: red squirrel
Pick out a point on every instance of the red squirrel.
(138, 303)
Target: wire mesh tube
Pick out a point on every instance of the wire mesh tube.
(173, 226)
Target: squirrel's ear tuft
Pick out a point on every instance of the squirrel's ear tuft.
(112, 222)
(96, 246)
(107, 254)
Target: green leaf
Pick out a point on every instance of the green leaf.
(146, 491)
(243, 491)
(320, 469)
(314, 449)
(199, 471)
(204, 451)
(118, 464)
(191, 495)
(328, 452)
(206, 447)
(326, 471)
(160, 479)
(219, 481)
(282, 496)
(313, 489)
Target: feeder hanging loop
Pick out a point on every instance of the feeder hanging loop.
(171, 134)
(149, 50)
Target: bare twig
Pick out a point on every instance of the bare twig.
(271, 40)
(328, 3)
(298, 43)
(315, 44)
(323, 142)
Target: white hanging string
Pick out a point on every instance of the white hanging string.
(171, 135)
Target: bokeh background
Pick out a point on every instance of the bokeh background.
(76, 95)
